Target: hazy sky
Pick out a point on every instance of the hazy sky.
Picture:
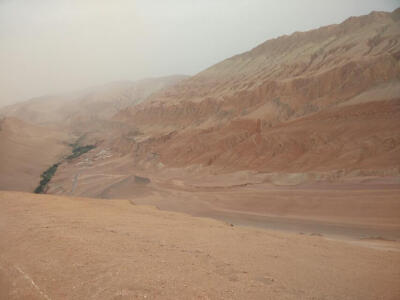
(53, 46)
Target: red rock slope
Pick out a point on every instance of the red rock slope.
(322, 100)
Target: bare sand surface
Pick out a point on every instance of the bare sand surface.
(54, 247)
(351, 214)
(352, 208)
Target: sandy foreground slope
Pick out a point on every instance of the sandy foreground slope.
(54, 247)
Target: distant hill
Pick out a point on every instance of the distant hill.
(100, 102)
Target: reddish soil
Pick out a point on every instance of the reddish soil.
(76, 248)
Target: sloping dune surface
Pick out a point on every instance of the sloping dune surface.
(76, 248)
(26, 150)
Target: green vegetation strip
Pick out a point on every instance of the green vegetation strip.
(79, 150)
(49, 173)
(46, 176)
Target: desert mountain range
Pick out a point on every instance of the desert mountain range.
(300, 134)
(316, 106)
(288, 105)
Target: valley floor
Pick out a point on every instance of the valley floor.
(55, 247)
(350, 208)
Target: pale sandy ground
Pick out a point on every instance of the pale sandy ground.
(355, 208)
(53, 247)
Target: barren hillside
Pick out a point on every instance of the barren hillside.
(327, 99)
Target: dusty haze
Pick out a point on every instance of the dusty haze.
(57, 46)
